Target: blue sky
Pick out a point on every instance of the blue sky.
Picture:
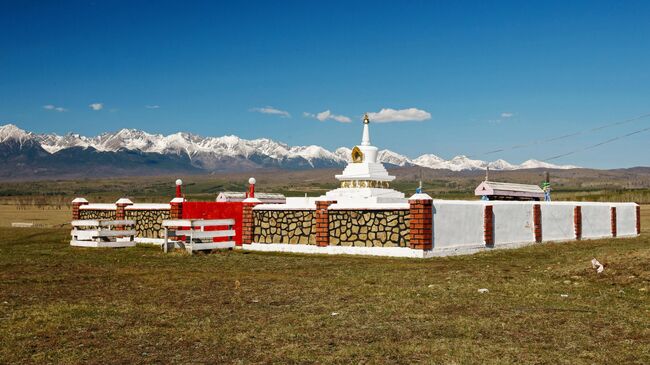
(479, 75)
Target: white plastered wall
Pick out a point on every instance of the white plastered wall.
(457, 223)
(513, 222)
(596, 220)
(557, 221)
(625, 219)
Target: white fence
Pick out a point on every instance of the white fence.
(191, 235)
(102, 233)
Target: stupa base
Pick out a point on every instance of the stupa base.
(360, 197)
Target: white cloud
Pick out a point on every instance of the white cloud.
(507, 115)
(54, 108)
(273, 111)
(152, 106)
(96, 106)
(387, 115)
(323, 116)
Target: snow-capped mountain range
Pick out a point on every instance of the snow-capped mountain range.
(219, 153)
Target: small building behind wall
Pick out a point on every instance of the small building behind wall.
(236, 196)
(508, 191)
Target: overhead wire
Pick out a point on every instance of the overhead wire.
(597, 144)
(569, 135)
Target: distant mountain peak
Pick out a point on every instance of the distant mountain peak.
(230, 151)
(12, 132)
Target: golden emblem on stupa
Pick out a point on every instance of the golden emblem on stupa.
(357, 155)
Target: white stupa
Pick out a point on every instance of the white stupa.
(365, 180)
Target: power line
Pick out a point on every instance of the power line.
(569, 135)
(598, 144)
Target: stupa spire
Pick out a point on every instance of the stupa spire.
(365, 139)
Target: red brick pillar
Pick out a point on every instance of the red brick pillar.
(577, 222)
(613, 219)
(638, 219)
(248, 220)
(176, 204)
(175, 212)
(421, 222)
(323, 222)
(176, 208)
(488, 225)
(120, 212)
(76, 205)
(537, 222)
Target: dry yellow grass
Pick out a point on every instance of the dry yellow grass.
(48, 216)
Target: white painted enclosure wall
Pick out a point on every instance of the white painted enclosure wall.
(625, 225)
(513, 222)
(557, 221)
(596, 220)
(457, 223)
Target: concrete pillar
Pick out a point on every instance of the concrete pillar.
(613, 219)
(537, 222)
(577, 222)
(638, 219)
(323, 222)
(76, 205)
(488, 225)
(421, 222)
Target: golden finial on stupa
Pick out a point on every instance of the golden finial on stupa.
(366, 120)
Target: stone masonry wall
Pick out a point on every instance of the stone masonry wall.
(148, 223)
(284, 226)
(96, 214)
(369, 228)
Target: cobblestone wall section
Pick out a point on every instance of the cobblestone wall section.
(284, 226)
(369, 228)
(148, 223)
(96, 214)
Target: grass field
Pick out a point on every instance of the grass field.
(581, 184)
(68, 305)
(47, 216)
